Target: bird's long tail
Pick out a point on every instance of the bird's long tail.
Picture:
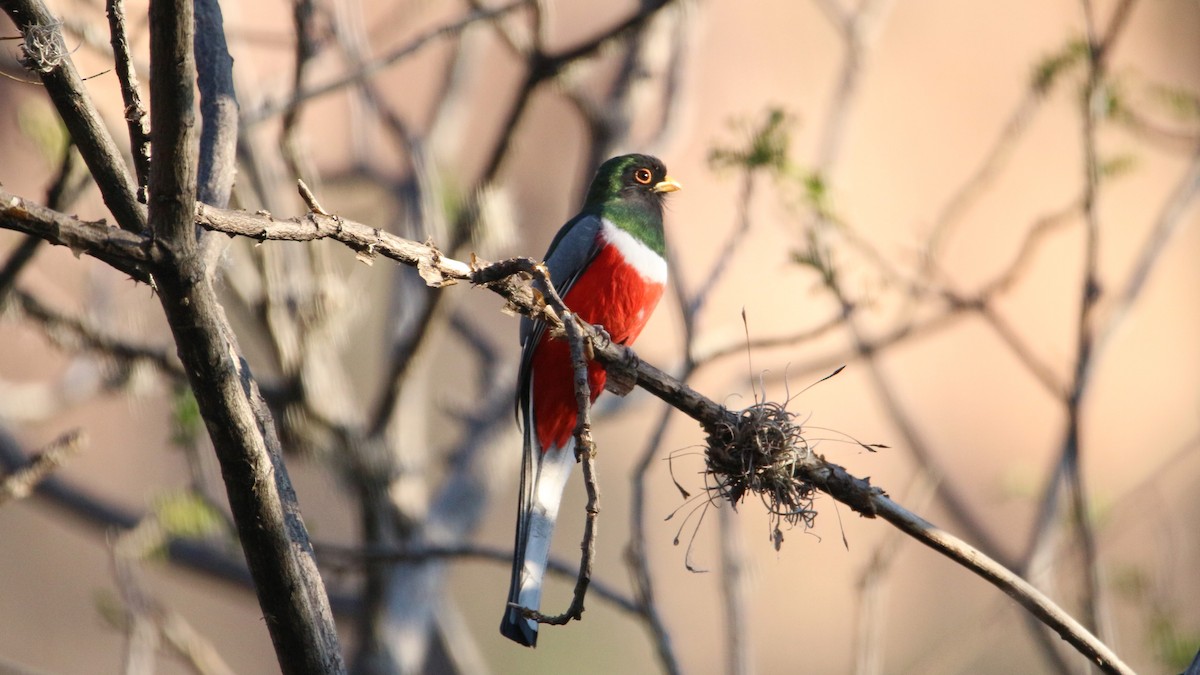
(543, 479)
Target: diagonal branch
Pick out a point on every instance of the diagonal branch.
(261, 498)
(125, 251)
(46, 55)
(135, 110)
(585, 452)
(437, 270)
(21, 482)
(857, 493)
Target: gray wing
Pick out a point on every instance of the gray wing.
(569, 254)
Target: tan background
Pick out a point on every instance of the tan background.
(940, 80)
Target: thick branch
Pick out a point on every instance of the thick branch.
(264, 506)
(47, 55)
(438, 270)
(172, 98)
(126, 251)
(855, 492)
(218, 106)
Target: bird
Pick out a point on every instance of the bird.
(608, 265)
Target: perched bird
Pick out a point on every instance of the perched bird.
(607, 264)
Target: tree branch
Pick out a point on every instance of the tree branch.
(438, 271)
(830, 478)
(218, 106)
(47, 55)
(126, 251)
(261, 497)
(20, 483)
(585, 453)
(135, 110)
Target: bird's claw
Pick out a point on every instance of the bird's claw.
(602, 339)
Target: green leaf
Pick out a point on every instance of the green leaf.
(1051, 67)
(42, 125)
(1182, 103)
(186, 422)
(765, 146)
(818, 257)
(1175, 646)
(1117, 165)
(816, 196)
(185, 514)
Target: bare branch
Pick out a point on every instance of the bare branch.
(47, 56)
(856, 493)
(338, 557)
(733, 595)
(636, 557)
(1168, 222)
(1017, 588)
(21, 483)
(218, 106)
(278, 552)
(63, 329)
(135, 110)
(585, 452)
(126, 251)
(367, 70)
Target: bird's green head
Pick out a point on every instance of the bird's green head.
(628, 191)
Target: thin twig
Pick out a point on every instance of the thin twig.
(148, 619)
(857, 493)
(371, 68)
(21, 483)
(736, 238)
(1169, 221)
(1002, 149)
(341, 557)
(733, 594)
(967, 194)
(123, 250)
(635, 552)
(16, 262)
(872, 587)
(79, 333)
(1020, 590)
(47, 55)
(733, 347)
(585, 453)
(1071, 457)
(585, 447)
(858, 29)
(135, 110)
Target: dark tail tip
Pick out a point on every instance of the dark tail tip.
(516, 628)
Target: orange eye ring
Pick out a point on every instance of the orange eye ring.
(643, 176)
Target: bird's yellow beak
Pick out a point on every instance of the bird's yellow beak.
(667, 184)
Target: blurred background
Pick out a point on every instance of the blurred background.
(911, 189)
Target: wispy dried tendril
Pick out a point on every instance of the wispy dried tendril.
(43, 49)
(757, 451)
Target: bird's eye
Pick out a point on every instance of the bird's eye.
(643, 176)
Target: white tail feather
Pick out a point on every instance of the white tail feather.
(548, 488)
(551, 470)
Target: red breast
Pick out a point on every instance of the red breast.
(610, 293)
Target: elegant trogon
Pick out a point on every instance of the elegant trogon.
(608, 265)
